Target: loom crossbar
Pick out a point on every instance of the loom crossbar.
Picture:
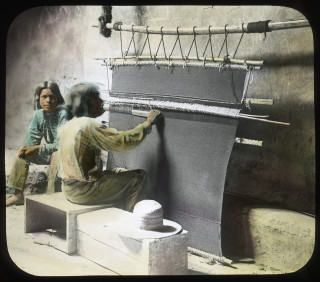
(172, 63)
(172, 60)
(271, 26)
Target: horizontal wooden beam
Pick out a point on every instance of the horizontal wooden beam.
(202, 60)
(270, 26)
(178, 63)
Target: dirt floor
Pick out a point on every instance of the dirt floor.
(43, 260)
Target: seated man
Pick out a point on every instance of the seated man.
(81, 142)
(49, 115)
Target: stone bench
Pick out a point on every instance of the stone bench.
(99, 240)
(52, 220)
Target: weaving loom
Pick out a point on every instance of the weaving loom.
(201, 98)
(186, 157)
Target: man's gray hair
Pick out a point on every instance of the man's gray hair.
(79, 98)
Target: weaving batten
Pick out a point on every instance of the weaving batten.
(143, 113)
(184, 107)
(271, 26)
(167, 105)
(139, 113)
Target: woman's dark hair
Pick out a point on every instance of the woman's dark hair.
(79, 99)
(53, 86)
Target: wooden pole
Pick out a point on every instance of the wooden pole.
(206, 30)
(204, 60)
(211, 257)
(172, 63)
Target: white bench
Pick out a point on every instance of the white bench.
(117, 249)
(52, 219)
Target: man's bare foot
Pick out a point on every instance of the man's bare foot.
(15, 200)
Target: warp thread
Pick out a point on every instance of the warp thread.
(123, 109)
(105, 18)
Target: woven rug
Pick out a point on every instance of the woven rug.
(185, 156)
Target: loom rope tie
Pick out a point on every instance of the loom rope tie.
(175, 43)
(164, 49)
(134, 44)
(120, 34)
(226, 59)
(222, 46)
(226, 40)
(194, 41)
(209, 42)
(188, 60)
(147, 40)
(239, 42)
(204, 62)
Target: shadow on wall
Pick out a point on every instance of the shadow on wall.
(272, 237)
(294, 58)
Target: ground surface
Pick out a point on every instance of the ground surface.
(43, 260)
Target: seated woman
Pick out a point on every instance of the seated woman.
(49, 115)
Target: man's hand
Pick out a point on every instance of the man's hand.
(153, 116)
(28, 152)
(21, 152)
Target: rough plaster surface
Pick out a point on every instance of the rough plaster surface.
(283, 239)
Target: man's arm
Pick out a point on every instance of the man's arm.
(28, 152)
(112, 139)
